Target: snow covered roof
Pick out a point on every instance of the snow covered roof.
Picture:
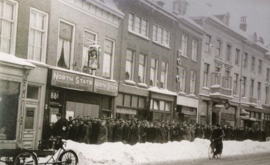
(162, 91)
(10, 59)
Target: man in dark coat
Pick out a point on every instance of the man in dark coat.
(126, 132)
(216, 139)
(134, 134)
(94, 134)
(151, 133)
(60, 127)
(117, 135)
(73, 130)
(102, 133)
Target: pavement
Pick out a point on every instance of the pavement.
(249, 159)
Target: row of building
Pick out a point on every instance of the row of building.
(154, 63)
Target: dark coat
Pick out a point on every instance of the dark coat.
(117, 135)
(102, 135)
(134, 135)
(61, 128)
(151, 134)
(159, 136)
(94, 134)
(73, 131)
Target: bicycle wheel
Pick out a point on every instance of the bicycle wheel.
(68, 157)
(25, 158)
(210, 152)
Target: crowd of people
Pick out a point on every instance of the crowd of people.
(97, 131)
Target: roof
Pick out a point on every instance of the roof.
(109, 4)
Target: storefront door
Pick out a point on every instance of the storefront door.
(29, 126)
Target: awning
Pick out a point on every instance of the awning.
(126, 111)
(244, 112)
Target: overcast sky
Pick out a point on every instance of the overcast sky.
(256, 11)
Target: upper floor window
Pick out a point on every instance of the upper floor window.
(235, 84)
(245, 60)
(218, 52)
(108, 58)
(268, 74)
(37, 35)
(130, 64)
(208, 44)
(205, 75)
(267, 97)
(194, 49)
(252, 63)
(8, 19)
(192, 82)
(259, 91)
(65, 45)
(142, 68)
(251, 88)
(228, 54)
(184, 45)
(182, 78)
(237, 56)
(153, 72)
(164, 75)
(89, 38)
(260, 66)
(138, 25)
(243, 86)
(161, 35)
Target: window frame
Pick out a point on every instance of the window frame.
(166, 74)
(194, 57)
(207, 44)
(112, 58)
(237, 56)
(228, 52)
(133, 64)
(253, 61)
(145, 66)
(193, 74)
(206, 75)
(72, 44)
(156, 70)
(133, 26)
(184, 46)
(155, 39)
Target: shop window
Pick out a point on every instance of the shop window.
(155, 102)
(127, 100)
(106, 103)
(167, 106)
(32, 92)
(161, 105)
(134, 102)
(9, 99)
(119, 99)
(29, 118)
(141, 102)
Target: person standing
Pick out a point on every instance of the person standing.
(102, 133)
(61, 127)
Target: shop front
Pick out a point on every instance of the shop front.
(78, 95)
(251, 117)
(13, 93)
(228, 116)
(187, 109)
(162, 105)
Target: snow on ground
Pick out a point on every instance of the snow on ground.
(124, 154)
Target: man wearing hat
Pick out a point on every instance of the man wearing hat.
(61, 127)
(216, 140)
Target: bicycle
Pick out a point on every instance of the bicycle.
(212, 150)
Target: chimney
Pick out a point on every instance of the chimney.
(243, 24)
(160, 3)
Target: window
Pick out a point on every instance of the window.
(218, 53)
(228, 54)
(37, 35)
(237, 56)
(251, 88)
(32, 92)
(260, 66)
(192, 82)
(8, 19)
(9, 104)
(194, 50)
(245, 60)
(182, 77)
(268, 75)
(164, 74)
(142, 67)
(235, 84)
(227, 80)
(205, 75)
(267, 95)
(184, 45)
(252, 63)
(29, 118)
(259, 91)
(108, 58)
(138, 25)
(65, 45)
(88, 39)
(153, 72)
(161, 35)
(207, 44)
(130, 64)
(244, 86)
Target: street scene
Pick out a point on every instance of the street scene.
(135, 82)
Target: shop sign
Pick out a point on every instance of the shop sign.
(69, 80)
(106, 87)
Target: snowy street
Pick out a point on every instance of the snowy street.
(250, 159)
(184, 152)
